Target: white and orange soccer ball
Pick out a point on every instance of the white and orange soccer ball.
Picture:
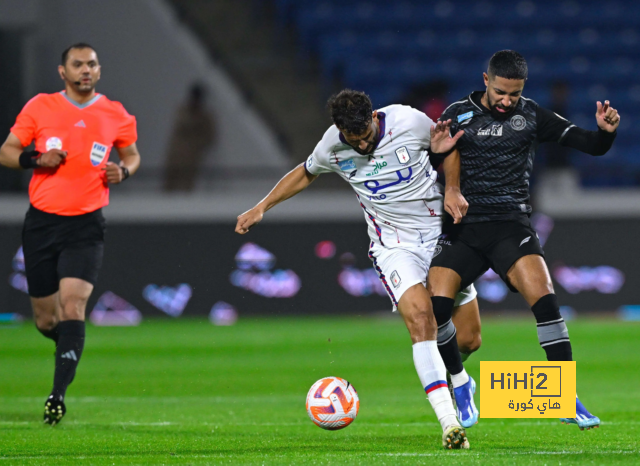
(332, 403)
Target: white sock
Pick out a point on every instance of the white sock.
(432, 373)
(460, 379)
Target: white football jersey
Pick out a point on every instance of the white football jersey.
(395, 184)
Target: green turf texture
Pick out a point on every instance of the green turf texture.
(187, 392)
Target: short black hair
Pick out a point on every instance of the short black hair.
(79, 45)
(351, 111)
(508, 64)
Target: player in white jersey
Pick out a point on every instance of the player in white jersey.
(384, 156)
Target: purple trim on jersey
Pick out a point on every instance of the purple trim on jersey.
(435, 385)
(383, 279)
(382, 127)
(373, 220)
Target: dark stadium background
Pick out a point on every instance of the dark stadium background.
(266, 91)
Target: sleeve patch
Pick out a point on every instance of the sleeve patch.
(465, 116)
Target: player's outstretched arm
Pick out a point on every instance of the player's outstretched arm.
(595, 142)
(290, 185)
(11, 155)
(454, 202)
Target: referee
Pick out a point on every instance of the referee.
(63, 234)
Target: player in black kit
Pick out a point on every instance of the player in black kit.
(501, 132)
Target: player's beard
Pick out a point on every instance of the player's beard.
(499, 115)
(367, 151)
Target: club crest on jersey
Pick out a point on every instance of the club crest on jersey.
(465, 116)
(403, 155)
(98, 153)
(395, 279)
(495, 130)
(347, 165)
(518, 122)
(54, 143)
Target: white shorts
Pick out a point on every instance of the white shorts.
(401, 268)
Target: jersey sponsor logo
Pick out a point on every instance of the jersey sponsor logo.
(465, 116)
(347, 165)
(395, 279)
(54, 143)
(374, 185)
(526, 240)
(437, 250)
(80, 124)
(403, 155)
(98, 153)
(518, 122)
(495, 130)
(353, 173)
(379, 166)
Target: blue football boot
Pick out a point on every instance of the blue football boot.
(584, 418)
(465, 407)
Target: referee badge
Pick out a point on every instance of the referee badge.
(54, 143)
(518, 122)
(98, 153)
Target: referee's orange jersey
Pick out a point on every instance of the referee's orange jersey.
(87, 132)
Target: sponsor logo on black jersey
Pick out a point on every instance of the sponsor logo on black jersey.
(495, 130)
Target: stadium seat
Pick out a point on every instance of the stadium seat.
(386, 48)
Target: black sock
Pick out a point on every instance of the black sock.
(552, 331)
(70, 345)
(447, 341)
(51, 334)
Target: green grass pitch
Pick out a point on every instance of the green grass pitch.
(186, 392)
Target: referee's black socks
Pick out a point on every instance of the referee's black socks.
(552, 331)
(71, 335)
(51, 334)
(447, 341)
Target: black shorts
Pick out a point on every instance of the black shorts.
(470, 249)
(57, 246)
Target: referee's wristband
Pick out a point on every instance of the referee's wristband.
(29, 159)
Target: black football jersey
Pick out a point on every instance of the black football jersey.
(496, 154)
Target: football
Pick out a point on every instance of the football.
(332, 403)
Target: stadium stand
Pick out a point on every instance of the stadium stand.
(386, 48)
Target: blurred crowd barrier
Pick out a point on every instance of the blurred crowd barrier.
(287, 268)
